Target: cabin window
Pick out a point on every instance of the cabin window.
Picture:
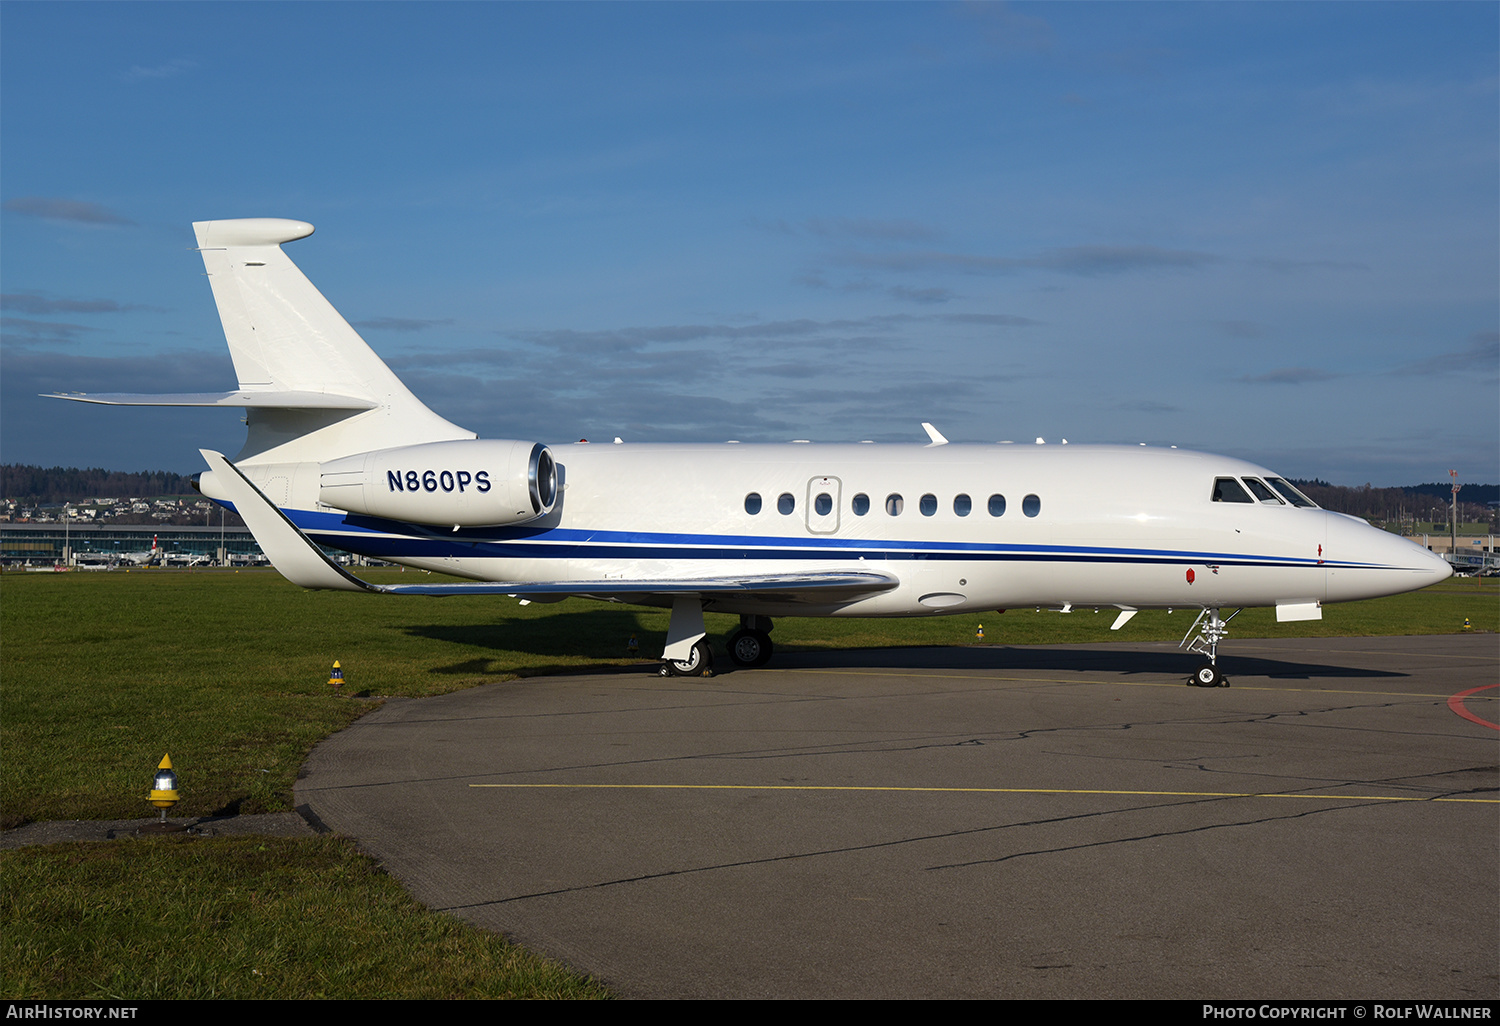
(861, 504)
(1031, 505)
(1291, 494)
(962, 505)
(997, 505)
(1227, 489)
(1260, 491)
(752, 503)
(928, 505)
(894, 504)
(786, 504)
(823, 504)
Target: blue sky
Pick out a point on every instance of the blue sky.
(1266, 230)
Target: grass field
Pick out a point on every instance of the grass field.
(243, 917)
(102, 673)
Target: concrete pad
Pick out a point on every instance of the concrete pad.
(979, 822)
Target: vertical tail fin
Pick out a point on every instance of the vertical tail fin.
(285, 337)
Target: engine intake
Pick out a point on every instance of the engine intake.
(469, 483)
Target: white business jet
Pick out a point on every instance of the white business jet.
(341, 454)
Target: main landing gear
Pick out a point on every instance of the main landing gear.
(1206, 644)
(751, 644)
(699, 663)
(687, 653)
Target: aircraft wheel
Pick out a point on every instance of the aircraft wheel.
(750, 648)
(1208, 676)
(698, 663)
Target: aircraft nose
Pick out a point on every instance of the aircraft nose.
(1436, 564)
(1366, 562)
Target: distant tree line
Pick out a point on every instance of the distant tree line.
(1416, 502)
(69, 484)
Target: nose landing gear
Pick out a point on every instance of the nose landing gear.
(1206, 644)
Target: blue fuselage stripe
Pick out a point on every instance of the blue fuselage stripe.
(393, 540)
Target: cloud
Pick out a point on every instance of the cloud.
(868, 228)
(815, 280)
(29, 371)
(932, 295)
(1006, 28)
(1288, 376)
(49, 431)
(399, 323)
(994, 320)
(1242, 329)
(25, 332)
(637, 339)
(1149, 406)
(1287, 264)
(53, 209)
(36, 303)
(667, 340)
(1483, 355)
(176, 66)
(1081, 260)
(767, 381)
(899, 230)
(776, 226)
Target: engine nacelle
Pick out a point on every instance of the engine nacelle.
(468, 483)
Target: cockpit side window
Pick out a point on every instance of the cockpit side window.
(1261, 492)
(1227, 489)
(1291, 494)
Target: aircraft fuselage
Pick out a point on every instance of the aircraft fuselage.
(963, 527)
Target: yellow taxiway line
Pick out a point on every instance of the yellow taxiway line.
(999, 790)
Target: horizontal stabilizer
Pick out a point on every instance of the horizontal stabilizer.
(249, 398)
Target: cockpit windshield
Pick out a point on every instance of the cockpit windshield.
(1291, 494)
(1260, 491)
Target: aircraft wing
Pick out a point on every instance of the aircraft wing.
(817, 586)
(302, 562)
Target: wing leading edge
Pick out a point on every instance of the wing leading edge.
(300, 561)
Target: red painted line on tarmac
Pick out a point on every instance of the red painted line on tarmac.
(1456, 703)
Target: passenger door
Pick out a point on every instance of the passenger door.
(823, 495)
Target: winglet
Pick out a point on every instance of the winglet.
(291, 552)
(934, 434)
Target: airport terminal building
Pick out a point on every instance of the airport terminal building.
(68, 543)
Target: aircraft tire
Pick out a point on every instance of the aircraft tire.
(750, 648)
(1208, 676)
(699, 663)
